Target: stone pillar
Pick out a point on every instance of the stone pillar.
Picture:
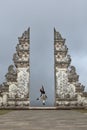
(22, 63)
(68, 90)
(62, 61)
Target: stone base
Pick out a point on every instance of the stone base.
(18, 102)
(57, 108)
(14, 108)
(41, 108)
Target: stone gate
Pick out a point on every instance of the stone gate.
(69, 92)
(15, 91)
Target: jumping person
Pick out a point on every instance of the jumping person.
(42, 91)
(43, 96)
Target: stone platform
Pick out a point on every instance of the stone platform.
(43, 108)
(44, 120)
(57, 108)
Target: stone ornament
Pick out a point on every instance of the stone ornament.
(69, 92)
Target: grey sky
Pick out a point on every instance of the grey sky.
(69, 17)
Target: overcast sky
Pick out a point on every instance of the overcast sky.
(69, 17)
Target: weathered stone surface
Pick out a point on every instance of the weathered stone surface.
(44, 120)
(11, 76)
(16, 86)
(23, 82)
(13, 90)
(68, 89)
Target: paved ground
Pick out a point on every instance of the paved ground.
(43, 120)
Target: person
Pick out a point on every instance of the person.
(43, 96)
(42, 91)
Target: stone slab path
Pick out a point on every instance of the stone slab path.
(43, 120)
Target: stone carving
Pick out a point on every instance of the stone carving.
(61, 48)
(64, 89)
(11, 76)
(15, 91)
(72, 76)
(60, 58)
(57, 35)
(79, 87)
(61, 77)
(21, 58)
(68, 89)
(15, 57)
(23, 82)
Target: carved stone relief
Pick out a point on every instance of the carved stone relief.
(23, 82)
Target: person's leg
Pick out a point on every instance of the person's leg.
(40, 94)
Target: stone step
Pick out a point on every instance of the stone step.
(42, 108)
(57, 108)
